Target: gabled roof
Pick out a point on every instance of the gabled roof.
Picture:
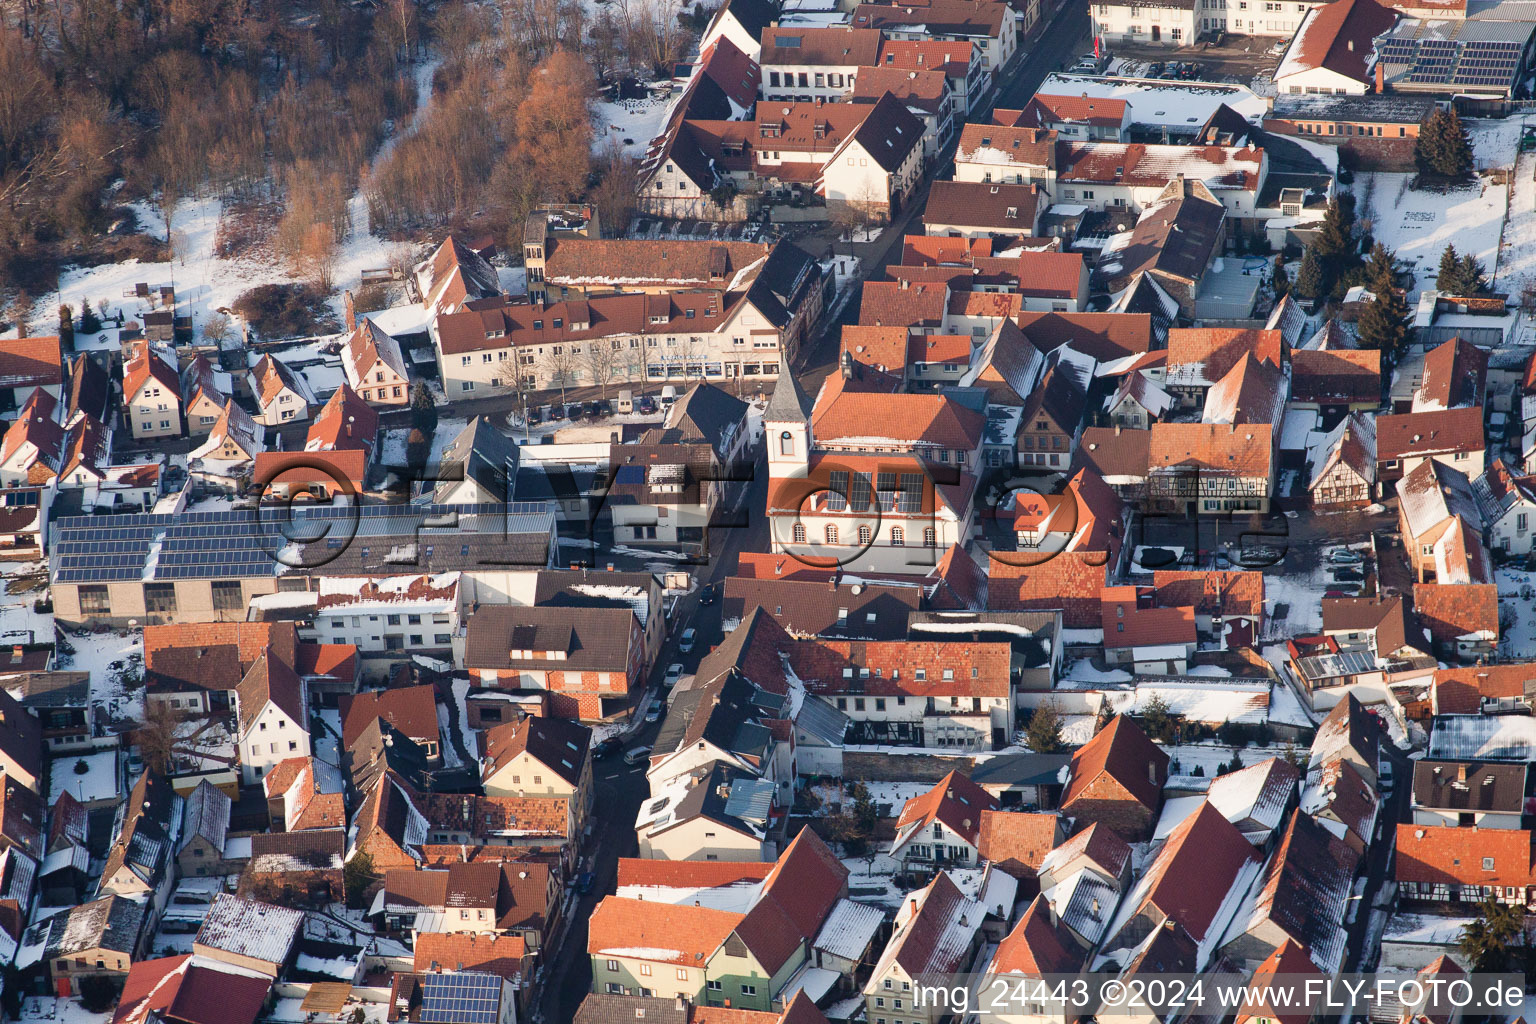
(819, 47)
(1434, 492)
(997, 144)
(1424, 434)
(200, 380)
(1007, 364)
(1250, 392)
(1009, 209)
(36, 424)
(934, 932)
(345, 422)
(270, 680)
(1304, 890)
(190, 990)
(1453, 611)
(367, 347)
(1351, 443)
(410, 709)
(1455, 374)
(1099, 844)
(32, 362)
(1016, 841)
(643, 929)
(1177, 237)
(558, 744)
(1204, 355)
(1348, 728)
(1338, 36)
(485, 455)
(844, 416)
(453, 275)
(1036, 946)
(954, 801)
(271, 376)
(1122, 752)
(1498, 490)
(1447, 855)
(1191, 875)
(90, 389)
(1290, 961)
(1104, 336)
(235, 425)
(206, 816)
(1244, 450)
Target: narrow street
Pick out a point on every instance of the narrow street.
(620, 787)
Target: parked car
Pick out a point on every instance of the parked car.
(686, 644)
(1344, 556)
(646, 404)
(592, 410)
(585, 881)
(1171, 75)
(557, 412)
(607, 748)
(707, 596)
(1347, 575)
(634, 755)
(1153, 70)
(1189, 70)
(654, 714)
(604, 407)
(674, 673)
(574, 411)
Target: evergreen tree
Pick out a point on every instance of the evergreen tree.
(1156, 719)
(1384, 323)
(1448, 280)
(1310, 282)
(1486, 940)
(90, 323)
(1443, 149)
(1044, 732)
(1332, 241)
(1470, 279)
(423, 409)
(66, 329)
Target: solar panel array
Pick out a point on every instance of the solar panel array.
(460, 998)
(1492, 63)
(237, 542)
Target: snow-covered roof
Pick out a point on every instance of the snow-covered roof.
(250, 928)
(849, 929)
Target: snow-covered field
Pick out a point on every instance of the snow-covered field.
(630, 123)
(114, 659)
(1419, 225)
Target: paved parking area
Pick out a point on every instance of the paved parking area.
(1239, 59)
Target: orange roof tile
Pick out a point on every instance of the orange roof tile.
(1124, 753)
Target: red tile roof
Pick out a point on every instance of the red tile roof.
(690, 873)
(1036, 946)
(1071, 581)
(502, 955)
(1445, 855)
(1215, 350)
(1099, 111)
(1104, 336)
(1243, 450)
(345, 421)
(1460, 691)
(1130, 624)
(889, 304)
(1405, 435)
(1195, 870)
(1216, 592)
(1452, 610)
(953, 57)
(934, 419)
(1122, 752)
(1016, 840)
(955, 802)
(1031, 147)
(1338, 36)
(1335, 375)
(189, 990)
(683, 935)
(410, 709)
(1138, 165)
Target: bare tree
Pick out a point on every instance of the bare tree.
(218, 329)
(156, 738)
(560, 364)
(602, 363)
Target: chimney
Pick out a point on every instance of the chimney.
(1351, 46)
(16, 654)
(1152, 772)
(1461, 772)
(1381, 78)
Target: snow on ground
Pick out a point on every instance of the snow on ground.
(1517, 633)
(869, 880)
(19, 620)
(99, 781)
(115, 659)
(1210, 756)
(1083, 670)
(460, 703)
(1418, 225)
(891, 797)
(60, 1011)
(1517, 250)
(1303, 597)
(630, 123)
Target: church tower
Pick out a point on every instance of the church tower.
(787, 426)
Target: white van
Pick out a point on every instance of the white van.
(668, 396)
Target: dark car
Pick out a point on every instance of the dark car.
(603, 406)
(1169, 75)
(584, 882)
(557, 412)
(1347, 575)
(707, 596)
(592, 410)
(574, 410)
(1189, 71)
(533, 417)
(646, 404)
(1154, 69)
(608, 747)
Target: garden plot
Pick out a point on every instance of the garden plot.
(1418, 225)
